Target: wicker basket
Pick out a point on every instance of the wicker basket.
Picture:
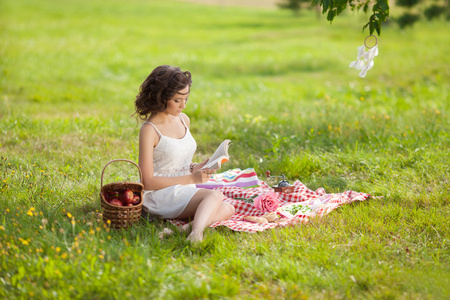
(121, 216)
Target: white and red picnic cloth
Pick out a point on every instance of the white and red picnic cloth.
(317, 204)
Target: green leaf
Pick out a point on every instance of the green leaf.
(371, 26)
(378, 27)
(325, 5)
(366, 7)
(365, 26)
(330, 15)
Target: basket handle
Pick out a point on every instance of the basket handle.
(120, 159)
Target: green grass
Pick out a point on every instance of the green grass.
(280, 88)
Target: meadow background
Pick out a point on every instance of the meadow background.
(280, 88)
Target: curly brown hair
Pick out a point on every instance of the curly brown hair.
(159, 87)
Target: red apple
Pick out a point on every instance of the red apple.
(109, 195)
(129, 204)
(136, 200)
(116, 202)
(126, 196)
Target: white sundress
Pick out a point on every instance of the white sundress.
(171, 157)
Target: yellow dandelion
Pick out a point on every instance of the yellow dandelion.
(30, 213)
(58, 249)
(101, 256)
(108, 221)
(64, 255)
(2, 228)
(69, 215)
(361, 98)
(72, 222)
(25, 242)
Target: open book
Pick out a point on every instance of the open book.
(219, 157)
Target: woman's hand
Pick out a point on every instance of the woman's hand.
(202, 176)
(199, 166)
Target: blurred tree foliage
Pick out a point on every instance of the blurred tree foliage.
(295, 5)
(413, 10)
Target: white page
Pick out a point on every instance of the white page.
(220, 153)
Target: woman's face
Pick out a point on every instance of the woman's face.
(178, 102)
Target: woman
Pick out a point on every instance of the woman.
(166, 148)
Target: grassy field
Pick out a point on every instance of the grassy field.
(280, 88)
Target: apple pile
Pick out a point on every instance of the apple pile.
(123, 197)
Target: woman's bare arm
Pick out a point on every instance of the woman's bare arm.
(148, 139)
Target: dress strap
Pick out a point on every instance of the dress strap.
(182, 120)
(156, 129)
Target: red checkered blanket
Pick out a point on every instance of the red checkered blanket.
(312, 203)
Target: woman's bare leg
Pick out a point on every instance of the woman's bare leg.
(207, 207)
